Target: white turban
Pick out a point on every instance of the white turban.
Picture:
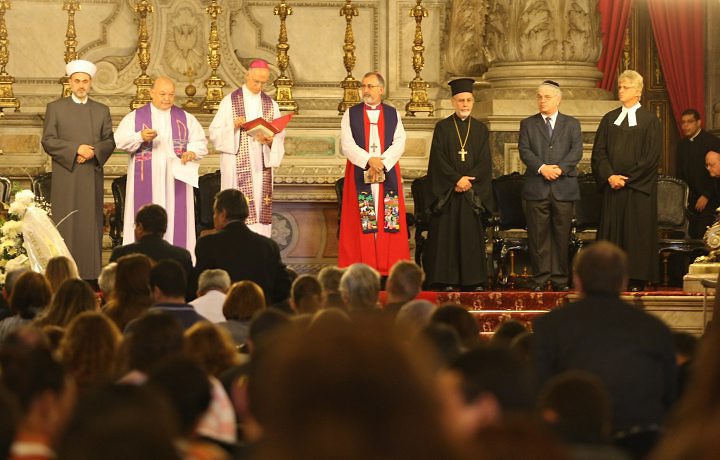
(80, 66)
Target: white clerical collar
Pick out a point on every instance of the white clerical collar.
(77, 100)
(692, 138)
(630, 113)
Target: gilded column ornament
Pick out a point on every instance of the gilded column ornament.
(283, 83)
(418, 87)
(71, 6)
(526, 42)
(214, 83)
(350, 86)
(7, 99)
(466, 38)
(143, 82)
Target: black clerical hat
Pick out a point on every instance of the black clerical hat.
(462, 85)
(551, 83)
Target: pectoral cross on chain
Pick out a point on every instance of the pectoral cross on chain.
(373, 147)
(462, 152)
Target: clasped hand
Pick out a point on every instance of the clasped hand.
(617, 181)
(376, 167)
(551, 172)
(85, 152)
(464, 184)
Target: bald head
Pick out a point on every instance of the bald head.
(712, 163)
(163, 93)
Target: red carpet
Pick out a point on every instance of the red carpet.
(492, 308)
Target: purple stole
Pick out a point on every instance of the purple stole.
(366, 201)
(142, 191)
(242, 162)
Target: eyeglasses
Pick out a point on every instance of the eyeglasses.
(369, 86)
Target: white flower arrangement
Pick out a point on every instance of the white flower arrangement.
(12, 244)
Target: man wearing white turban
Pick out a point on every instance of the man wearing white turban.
(78, 137)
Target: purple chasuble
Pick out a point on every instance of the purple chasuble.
(142, 191)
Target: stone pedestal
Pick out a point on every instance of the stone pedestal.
(692, 282)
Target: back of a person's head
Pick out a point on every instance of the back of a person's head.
(154, 336)
(496, 371)
(211, 347)
(186, 386)
(11, 278)
(464, 323)
(29, 371)
(601, 269)
(330, 277)
(578, 406)
(31, 294)
(169, 277)
(233, 202)
(73, 297)
(414, 315)
(132, 279)
(360, 287)
(265, 325)
(153, 219)
(59, 269)
(507, 331)
(307, 294)
(106, 279)
(120, 422)
(405, 280)
(213, 279)
(517, 437)
(443, 340)
(342, 389)
(89, 348)
(244, 299)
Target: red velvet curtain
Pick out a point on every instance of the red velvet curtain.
(614, 16)
(679, 37)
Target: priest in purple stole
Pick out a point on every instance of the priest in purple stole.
(78, 136)
(161, 139)
(246, 163)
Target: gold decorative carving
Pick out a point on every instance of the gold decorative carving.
(284, 84)
(71, 6)
(350, 86)
(143, 82)
(418, 87)
(214, 83)
(7, 99)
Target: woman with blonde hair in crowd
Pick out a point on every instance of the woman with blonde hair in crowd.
(244, 299)
(73, 297)
(89, 349)
(131, 296)
(59, 269)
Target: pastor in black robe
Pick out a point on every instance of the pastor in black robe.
(78, 186)
(455, 248)
(629, 215)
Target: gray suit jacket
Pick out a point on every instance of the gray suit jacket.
(563, 149)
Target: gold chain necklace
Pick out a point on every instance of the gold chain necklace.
(462, 152)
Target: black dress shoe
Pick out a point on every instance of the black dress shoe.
(561, 288)
(536, 288)
(479, 288)
(448, 288)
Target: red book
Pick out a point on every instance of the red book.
(262, 126)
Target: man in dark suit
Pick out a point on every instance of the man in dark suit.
(244, 254)
(550, 146)
(631, 351)
(150, 226)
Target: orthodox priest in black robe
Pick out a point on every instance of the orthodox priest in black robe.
(460, 193)
(78, 137)
(625, 159)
